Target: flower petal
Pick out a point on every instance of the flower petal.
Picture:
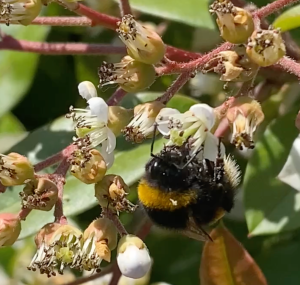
(99, 108)
(210, 151)
(87, 90)
(111, 141)
(109, 158)
(205, 113)
(162, 120)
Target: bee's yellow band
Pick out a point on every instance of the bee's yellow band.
(157, 199)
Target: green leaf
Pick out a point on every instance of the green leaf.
(271, 206)
(288, 20)
(10, 124)
(78, 197)
(17, 68)
(191, 12)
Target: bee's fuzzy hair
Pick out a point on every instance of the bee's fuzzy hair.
(233, 171)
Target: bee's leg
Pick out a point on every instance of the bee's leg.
(219, 164)
(153, 140)
(194, 230)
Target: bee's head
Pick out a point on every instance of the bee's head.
(163, 171)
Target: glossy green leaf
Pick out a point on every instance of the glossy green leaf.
(191, 12)
(17, 68)
(10, 124)
(271, 206)
(78, 197)
(288, 20)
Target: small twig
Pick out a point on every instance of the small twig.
(10, 43)
(116, 275)
(273, 7)
(2, 188)
(24, 212)
(59, 178)
(290, 66)
(97, 18)
(63, 21)
(176, 86)
(115, 98)
(125, 7)
(56, 158)
(114, 218)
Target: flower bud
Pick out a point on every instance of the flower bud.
(118, 118)
(234, 65)
(142, 125)
(88, 165)
(57, 246)
(130, 74)
(133, 257)
(15, 169)
(39, 194)
(19, 11)
(99, 239)
(143, 43)
(111, 192)
(10, 228)
(235, 24)
(266, 47)
(245, 115)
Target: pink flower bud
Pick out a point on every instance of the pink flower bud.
(10, 228)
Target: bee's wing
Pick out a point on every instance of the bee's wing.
(195, 231)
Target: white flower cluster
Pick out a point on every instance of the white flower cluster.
(194, 125)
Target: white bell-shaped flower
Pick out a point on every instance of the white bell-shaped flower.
(194, 124)
(92, 122)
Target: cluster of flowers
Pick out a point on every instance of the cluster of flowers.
(136, 70)
(97, 126)
(254, 47)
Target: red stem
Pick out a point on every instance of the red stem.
(273, 7)
(116, 97)
(24, 213)
(176, 85)
(2, 188)
(97, 18)
(48, 162)
(114, 218)
(10, 43)
(290, 66)
(125, 7)
(59, 178)
(63, 21)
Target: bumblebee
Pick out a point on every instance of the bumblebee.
(184, 193)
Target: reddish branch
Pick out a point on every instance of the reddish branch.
(273, 7)
(175, 87)
(96, 17)
(24, 212)
(10, 43)
(125, 7)
(290, 66)
(116, 97)
(63, 21)
(59, 179)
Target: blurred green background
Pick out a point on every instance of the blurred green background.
(36, 92)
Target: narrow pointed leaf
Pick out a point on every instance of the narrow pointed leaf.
(289, 19)
(226, 262)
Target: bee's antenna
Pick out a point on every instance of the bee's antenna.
(191, 158)
(153, 140)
